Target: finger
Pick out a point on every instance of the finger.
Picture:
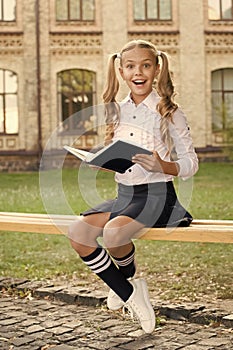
(142, 160)
(141, 157)
(155, 154)
(144, 166)
(145, 163)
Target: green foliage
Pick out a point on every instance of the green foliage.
(74, 81)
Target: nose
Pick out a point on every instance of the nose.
(138, 70)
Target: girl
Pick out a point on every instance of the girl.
(146, 196)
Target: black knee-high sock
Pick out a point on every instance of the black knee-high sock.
(101, 263)
(126, 264)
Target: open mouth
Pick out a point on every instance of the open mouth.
(139, 82)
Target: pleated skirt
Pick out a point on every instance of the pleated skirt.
(153, 204)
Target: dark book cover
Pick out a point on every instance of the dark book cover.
(117, 156)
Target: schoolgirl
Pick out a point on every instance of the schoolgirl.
(146, 195)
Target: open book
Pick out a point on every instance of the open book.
(117, 156)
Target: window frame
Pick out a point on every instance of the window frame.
(81, 19)
(71, 129)
(3, 4)
(221, 13)
(222, 92)
(3, 94)
(147, 18)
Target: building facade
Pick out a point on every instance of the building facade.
(53, 61)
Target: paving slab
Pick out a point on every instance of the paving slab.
(69, 293)
(76, 327)
(66, 317)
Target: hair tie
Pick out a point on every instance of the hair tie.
(118, 55)
(158, 53)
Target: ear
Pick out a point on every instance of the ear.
(121, 73)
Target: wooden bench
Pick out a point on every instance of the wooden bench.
(215, 231)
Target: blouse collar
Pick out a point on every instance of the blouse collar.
(150, 101)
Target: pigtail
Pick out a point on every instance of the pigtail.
(166, 106)
(112, 109)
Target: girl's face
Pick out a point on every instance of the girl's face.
(139, 70)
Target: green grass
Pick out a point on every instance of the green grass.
(174, 270)
(187, 271)
(212, 194)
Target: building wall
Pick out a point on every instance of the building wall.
(37, 47)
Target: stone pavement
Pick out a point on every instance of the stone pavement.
(43, 317)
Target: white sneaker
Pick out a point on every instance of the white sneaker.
(139, 303)
(114, 302)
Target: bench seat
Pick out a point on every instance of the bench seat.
(214, 231)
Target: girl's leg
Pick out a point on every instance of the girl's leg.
(117, 238)
(123, 255)
(83, 235)
(126, 263)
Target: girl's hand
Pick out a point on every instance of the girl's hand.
(151, 163)
(156, 164)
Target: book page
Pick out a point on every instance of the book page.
(79, 153)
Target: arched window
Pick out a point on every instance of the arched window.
(76, 98)
(222, 99)
(9, 118)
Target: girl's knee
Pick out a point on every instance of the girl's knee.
(73, 231)
(77, 234)
(76, 237)
(114, 237)
(81, 234)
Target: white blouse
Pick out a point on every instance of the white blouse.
(141, 124)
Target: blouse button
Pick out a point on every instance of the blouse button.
(134, 117)
(131, 134)
(130, 170)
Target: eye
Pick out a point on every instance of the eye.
(147, 65)
(129, 66)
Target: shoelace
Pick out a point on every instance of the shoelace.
(131, 313)
(128, 311)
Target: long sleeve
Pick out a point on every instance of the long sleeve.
(183, 144)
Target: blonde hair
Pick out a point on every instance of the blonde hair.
(165, 88)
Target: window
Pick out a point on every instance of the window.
(8, 102)
(222, 99)
(147, 10)
(7, 10)
(220, 10)
(76, 92)
(75, 10)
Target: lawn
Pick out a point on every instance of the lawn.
(174, 270)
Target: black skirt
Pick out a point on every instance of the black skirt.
(153, 204)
